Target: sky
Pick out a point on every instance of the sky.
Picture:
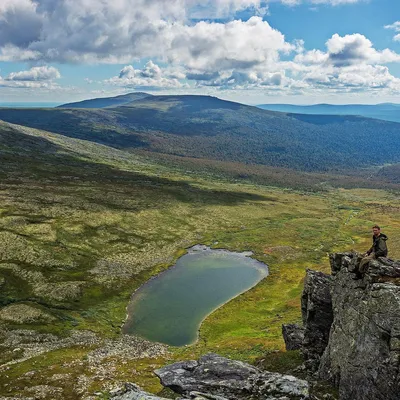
(251, 51)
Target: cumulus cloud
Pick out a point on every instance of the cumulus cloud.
(36, 74)
(236, 45)
(149, 77)
(353, 49)
(350, 63)
(352, 78)
(36, 77)
(120, 31)
(229, 54)
(102, 30)
(396, 28)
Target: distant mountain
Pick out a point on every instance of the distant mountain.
(206, 127)
(105, 102)
(385, 111)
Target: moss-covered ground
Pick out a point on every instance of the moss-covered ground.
(82, 226)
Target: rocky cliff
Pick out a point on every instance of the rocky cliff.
(352, 327)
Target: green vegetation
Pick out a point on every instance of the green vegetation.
(207, 128)
(82, 225)
(104, 102)
(385, 111)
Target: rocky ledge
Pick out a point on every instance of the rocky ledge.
(352, 327)
(213, 377)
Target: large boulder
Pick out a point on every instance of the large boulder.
(363, 354)
(293, 336)
(316, 307)
(131, 391)
(219, 376)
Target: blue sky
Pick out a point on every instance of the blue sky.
(291, 51)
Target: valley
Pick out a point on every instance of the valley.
(94, 203)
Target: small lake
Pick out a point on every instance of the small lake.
(171, 307)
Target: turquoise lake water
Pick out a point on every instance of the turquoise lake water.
(171, 307)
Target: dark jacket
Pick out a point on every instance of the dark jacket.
(379, 247)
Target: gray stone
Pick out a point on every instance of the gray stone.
(363, 354)
(316, 307)
(293, 335)
(219, 376)
(202, 396)
(132, 392)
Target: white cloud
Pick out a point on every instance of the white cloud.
(356, 48)
(36, 77)
(234, 45)
(121, 31)
(350, 63)
(396, 28)
(351, 78)
(234, 54)
(10, 52)
(150, 77)
(35, 74)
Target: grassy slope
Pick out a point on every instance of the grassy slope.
(70, 208)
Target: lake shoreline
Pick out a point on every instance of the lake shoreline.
(214, 286)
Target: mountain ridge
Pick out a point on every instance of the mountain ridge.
(384, 111)
(104, 102)
(206, 127)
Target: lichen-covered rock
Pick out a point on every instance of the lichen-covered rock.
(219, 376)
(316, 307)
(133, 392)
(363, 354)
(293, 335)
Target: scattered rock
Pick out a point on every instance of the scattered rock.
(293, 335)
(129, 347)
(22, 314)
(132, 392)
(45, 392)
(33, 343)
(219, 376)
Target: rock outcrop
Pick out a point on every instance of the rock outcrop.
(363, 354)
(293, 335)
(133, 392)
(352, 327)
(219, 376)
(316, 308)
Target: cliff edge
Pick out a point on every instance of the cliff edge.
(352, 327)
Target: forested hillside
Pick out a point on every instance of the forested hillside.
(104, 102)
(385, 111)
(209, 128)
